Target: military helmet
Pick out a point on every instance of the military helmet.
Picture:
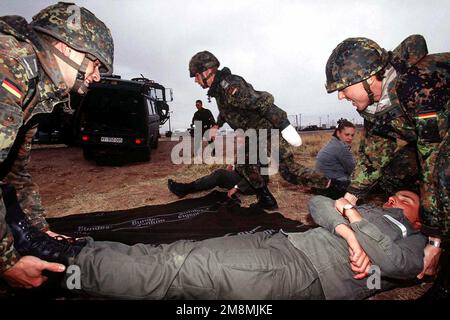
(202, 61)
(78, 28)
(354, 60)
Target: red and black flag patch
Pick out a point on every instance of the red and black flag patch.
(10, 87)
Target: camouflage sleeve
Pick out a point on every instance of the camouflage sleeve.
(27, 191)
(13, 90)
(434, 160)
(243, 185)
(374, 153)
(13, 86)
(432, 222)
(242, 95)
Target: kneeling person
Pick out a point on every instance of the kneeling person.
(223, 178)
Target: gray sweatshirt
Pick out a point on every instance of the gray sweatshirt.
(335, 160)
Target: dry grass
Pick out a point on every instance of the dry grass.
(314, 141)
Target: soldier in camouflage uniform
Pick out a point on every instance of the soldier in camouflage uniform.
(242, 107)
(403, 94)
(64, 48)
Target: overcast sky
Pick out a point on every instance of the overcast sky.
(278, 46)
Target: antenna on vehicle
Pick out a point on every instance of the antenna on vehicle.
(143, 79)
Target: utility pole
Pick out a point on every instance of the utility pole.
(296, 120)
(300, 123)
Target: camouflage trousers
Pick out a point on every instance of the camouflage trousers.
(7, 253)
(289, 169)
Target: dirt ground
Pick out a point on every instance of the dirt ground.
(69, 184)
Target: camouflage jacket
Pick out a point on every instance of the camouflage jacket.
(413, 108)
(242, 107)
(27, 88)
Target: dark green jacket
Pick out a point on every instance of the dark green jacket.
(242, 107)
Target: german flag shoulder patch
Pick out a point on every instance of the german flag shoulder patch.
(427, 115)
(10, 87)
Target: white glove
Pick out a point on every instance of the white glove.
(291, 135)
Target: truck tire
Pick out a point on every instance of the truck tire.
(145, 154)
(88, 153)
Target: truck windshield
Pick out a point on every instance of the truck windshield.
(157, 94)
(109, 109)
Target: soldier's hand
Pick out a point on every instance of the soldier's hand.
(55, 235)
(430, 261)
(231, 192)
(27, 272)
(230, 167)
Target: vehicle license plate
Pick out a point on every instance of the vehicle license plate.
(111, 139)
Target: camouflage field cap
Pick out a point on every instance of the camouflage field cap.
(78, 28)
(354, 60)
(202, 61)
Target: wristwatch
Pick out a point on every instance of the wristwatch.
(347, 206)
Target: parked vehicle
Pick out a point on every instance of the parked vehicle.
(121, 118)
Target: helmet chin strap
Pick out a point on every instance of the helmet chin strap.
(205, 79)
(79, 85)
(369, 92)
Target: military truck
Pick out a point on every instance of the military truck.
(120, 119)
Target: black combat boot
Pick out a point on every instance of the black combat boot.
(265, 199)
(30, 241)
(337, 189)
(180, 189)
